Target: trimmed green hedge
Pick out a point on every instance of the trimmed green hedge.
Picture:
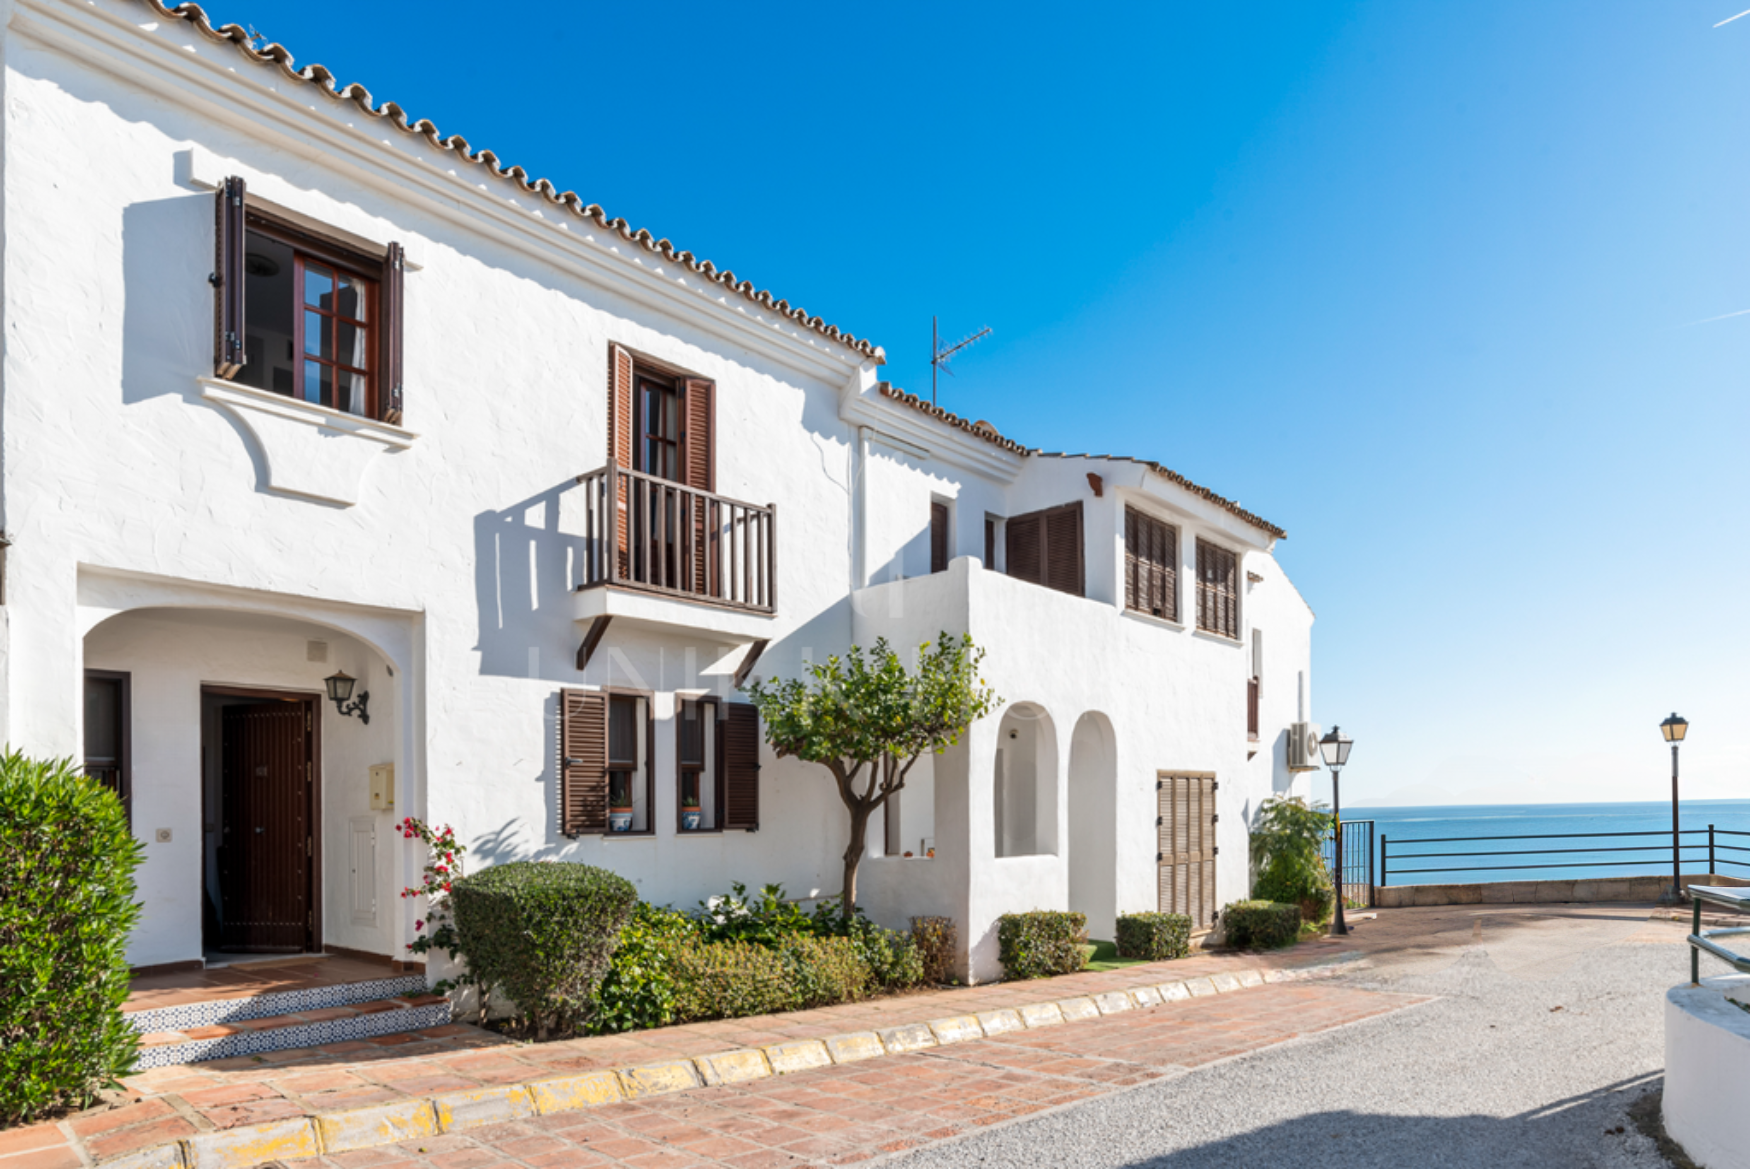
(1261, 925)
(1042, 943)
(1155, 937)
(542, 933)
(727, 980)
(67, 861)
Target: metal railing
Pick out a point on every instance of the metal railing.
(1701, 941)
(647, 533)
(1658, 860)
(1357, 862)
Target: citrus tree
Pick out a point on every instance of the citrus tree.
(868, 719)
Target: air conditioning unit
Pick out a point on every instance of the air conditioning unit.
(1303, 747)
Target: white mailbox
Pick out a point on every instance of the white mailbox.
(383, 787)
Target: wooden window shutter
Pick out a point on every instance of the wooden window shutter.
(389, 361)
(1218, 598)
(1063, 549)
(990, 542)
(1185, 862)
(620, 403)
(739, 755)
(229, 241)
(1151, 565)
(697, 444)
(1026, 548)
(1045, 547)
(938, 537)
(583, 762)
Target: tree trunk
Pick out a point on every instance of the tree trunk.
(854, 857)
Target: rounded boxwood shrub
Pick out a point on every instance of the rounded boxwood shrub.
(1042, 943)
(542, 933)
(67, 861)
(1155, 937)
(1261, 925)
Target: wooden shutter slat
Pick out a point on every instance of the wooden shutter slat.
(1025, 548)
(389, 403)
(739, 757)
(1151, 552)
(1063, 549)
(1186, 850)
(1218, 597)
(583, 762)
(699, 456)
(229, 242)
(938, 537)
(620, 447)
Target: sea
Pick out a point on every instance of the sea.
(1543, 841)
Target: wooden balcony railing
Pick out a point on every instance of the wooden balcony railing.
(657, 536)
(1252, 709)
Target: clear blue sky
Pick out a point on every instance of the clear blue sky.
(1415, 281)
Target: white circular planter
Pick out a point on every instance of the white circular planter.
(1707, 1070)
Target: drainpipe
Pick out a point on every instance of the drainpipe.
(860, 514)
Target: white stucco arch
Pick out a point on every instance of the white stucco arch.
(1025, 795)
(1093, 822)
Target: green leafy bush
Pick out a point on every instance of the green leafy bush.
(639, 990)
(824, 971)
(1042, 943)
(67, 861)
(728, 980)
(1261, 925)
(933, 938)
(1288, 852)
(542, 933)
(893, 959)
(1156, 937)
(766, 920)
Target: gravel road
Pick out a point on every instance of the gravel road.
(1545, 1030)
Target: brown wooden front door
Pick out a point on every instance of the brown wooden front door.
(267, 775)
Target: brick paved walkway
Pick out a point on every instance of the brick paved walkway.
(841, 1115)
(186, 1101)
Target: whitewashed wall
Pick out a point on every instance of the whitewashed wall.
(127, 488)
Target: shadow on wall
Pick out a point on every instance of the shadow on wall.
(525, 571)
(1578, 1130)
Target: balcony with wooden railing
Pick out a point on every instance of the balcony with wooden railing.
(651, 535)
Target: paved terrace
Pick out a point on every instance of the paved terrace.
(999, 1077)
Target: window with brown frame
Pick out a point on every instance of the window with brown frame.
(1218, 598)
(629, 808)
(939, 545)
(107, 733)
(306, 314)
(698, 778)
(1151, 565)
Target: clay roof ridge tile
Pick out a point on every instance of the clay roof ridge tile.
(322, 77)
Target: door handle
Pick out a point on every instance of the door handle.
(259, 830)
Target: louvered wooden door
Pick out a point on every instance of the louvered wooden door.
(1185, 861)
(265, 890)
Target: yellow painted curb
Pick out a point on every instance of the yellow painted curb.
(733, 1067)
(658, 1079)
(478, 1106)
(908, 1037)
(1078, 1008)
(363, 1128)
(1112, 1002)
(1041, 1015)
(999, 1022)
(852, 1048)
(571, 1093)
(797, 1057)
(956, 1029)
(236, 1148)
(1145, 996)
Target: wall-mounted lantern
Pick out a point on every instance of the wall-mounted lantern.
(340, 689)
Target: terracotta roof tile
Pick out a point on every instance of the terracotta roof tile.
(989, 433)
(979, 429)
(319, 76)
(1195, 489)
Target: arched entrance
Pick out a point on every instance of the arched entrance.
(1025, 791)
(1093, 823)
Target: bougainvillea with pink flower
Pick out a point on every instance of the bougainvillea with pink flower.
(443, 864)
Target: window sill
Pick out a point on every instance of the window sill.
(647, 834)
(306, 451)
(1151, 619)
(1219, 638)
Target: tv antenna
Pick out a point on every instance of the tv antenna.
(940, 354)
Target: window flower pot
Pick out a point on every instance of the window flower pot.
(692, 819)
(619, 819)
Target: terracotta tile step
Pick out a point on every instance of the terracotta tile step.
(296, 1019)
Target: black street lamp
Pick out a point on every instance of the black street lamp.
(1335, 748)
(1674, 728)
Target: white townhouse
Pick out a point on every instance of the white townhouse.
(299, 393)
